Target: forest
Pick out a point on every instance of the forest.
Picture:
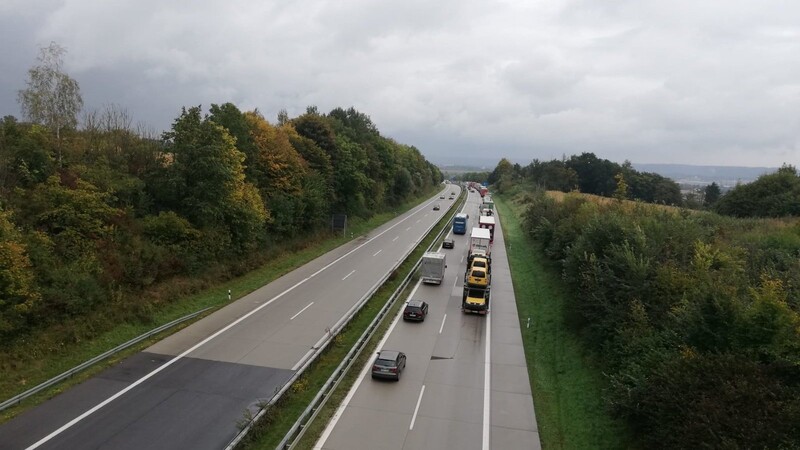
(692, 316)
(94, 220)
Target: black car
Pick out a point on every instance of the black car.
(389, 364)
(415, 310)
(448, 243)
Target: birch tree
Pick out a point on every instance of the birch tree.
(52, 98)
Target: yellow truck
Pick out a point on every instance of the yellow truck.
(477, 282)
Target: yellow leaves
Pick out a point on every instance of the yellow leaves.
(688, 352)
(17, 285)
(281, 164)
(704, 256)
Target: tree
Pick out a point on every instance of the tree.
(771, 195)
(229, 116)
(551, 175)
(18, 291)
(595, 175)
(207, 181)
(504, 169)
(712, 194)
(52, 98)
(621, 193)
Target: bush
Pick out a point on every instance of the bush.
(696, 317)
(713, 401)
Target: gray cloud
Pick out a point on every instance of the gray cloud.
(712, 82)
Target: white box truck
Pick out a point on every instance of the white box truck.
(432, 267)
(480, 242)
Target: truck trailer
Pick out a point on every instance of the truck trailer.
(480, 242)
(488, 223)
(432, 267)
(487, 206)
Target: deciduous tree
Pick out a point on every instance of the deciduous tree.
(52, 98)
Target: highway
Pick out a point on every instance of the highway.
(190, 389)
(466, 381)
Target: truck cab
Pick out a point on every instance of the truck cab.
(475, 300)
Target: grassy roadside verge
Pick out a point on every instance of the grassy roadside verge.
(45, 362)
(566, 387)
(273, 427)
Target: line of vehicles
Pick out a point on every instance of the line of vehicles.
(477, 279)
(477, 276)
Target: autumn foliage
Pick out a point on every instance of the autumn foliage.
(123, 212)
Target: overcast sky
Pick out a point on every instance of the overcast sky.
(712, 82)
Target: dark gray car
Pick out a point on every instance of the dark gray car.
(415, 310)
(389, 364)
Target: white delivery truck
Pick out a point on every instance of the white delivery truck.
(432, 267)
(480, 242)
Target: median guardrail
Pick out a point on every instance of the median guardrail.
(320, 346)
(297, 430)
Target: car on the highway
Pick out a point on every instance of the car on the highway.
(441, 196)
(448, 243)
(436, 207)
(389, 364)
(477, 276)
(415, 310)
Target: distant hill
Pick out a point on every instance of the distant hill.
(725, 176)
(684, 174)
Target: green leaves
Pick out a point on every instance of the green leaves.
(772, 195)
(52, 97)
(694, 316)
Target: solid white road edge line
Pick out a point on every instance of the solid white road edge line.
(105, 402)
(442, 327)
(487, 385)
(345, 277)
(340, 410)
(300, 312)
(416, 409)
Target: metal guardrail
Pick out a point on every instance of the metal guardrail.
(297, 430)
(321, 345)
(55, 380)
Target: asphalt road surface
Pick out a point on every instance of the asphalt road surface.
(466, 381)
(191, 389)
